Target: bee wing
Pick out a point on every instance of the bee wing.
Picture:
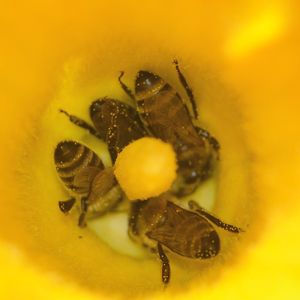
(84, 178)
(186, 233)
(103, 182)
(105, 193)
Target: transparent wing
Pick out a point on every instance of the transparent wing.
(83, 179)
(186, 233)
(105, 193)
(103, 182)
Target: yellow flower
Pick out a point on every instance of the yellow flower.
(242, 60)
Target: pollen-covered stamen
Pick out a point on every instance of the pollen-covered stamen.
(146, 168)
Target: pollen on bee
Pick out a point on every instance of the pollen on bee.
(146, 168)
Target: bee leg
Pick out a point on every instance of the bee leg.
(212, 140)
(81, 123)
(134, 213)
(125, 88)
(187, 88)
(66, 206)
(84, 207)
(201, 211)
(165, 271)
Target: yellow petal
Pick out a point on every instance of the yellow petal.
(256, 118)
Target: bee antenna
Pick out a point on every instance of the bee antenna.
(121, 75)
(64, 112)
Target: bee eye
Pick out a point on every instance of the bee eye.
(192, 177)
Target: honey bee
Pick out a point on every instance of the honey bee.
(83, 174)
(115, 123)
(82, 171)
(159, 224)
(166, 116)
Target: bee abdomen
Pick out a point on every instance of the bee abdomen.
(68, 153)
(107, 201)
(190, 236)
(200, 241)
(70, 158)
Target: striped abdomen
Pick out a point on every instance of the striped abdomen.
(71, 158)
(186, 233)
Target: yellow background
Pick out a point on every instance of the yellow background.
(251, 46)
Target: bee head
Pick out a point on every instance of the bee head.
(147, 81)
